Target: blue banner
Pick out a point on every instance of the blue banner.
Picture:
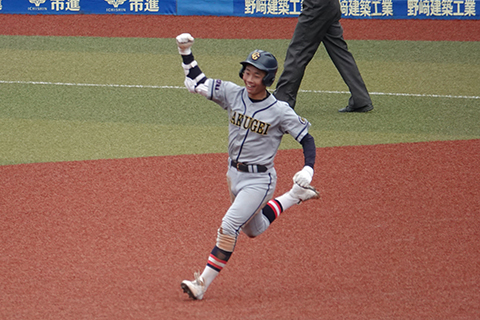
(89, 6)
(367, 9)
(354, 9)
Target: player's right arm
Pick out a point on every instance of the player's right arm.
(195, 79)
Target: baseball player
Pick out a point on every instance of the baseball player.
(257, 122)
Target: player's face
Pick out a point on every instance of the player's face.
(252, 77)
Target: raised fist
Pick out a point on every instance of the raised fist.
(184, 43)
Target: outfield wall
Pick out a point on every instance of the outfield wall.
(354, 9)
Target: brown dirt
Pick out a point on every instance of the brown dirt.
(214, 27)
(395, 236)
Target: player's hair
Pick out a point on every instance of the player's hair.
(262, 60)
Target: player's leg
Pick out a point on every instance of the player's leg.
(275, 207)
(343, 60)
(252, 192)
(249, 194)
(256, 225)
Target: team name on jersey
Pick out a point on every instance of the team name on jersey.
(246, 122)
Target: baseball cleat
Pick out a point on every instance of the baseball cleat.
(196, 288)
(304, 193)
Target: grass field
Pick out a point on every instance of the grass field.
(79, 98)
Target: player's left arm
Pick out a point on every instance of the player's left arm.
(299, 127)
(305, 176)
(195, 79)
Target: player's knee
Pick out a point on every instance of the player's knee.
(249, 232)
(256, 226)
(225, 240)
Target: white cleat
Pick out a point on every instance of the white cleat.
(196, 288)
(304, 193)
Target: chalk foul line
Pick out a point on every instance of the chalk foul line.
(399, 94)
(177, 87)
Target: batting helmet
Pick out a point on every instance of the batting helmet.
(262, 60)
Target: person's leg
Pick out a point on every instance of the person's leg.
(299, 53)
(249, 194)
(272, 210)
(343, 60)
(252, 198)
(312, 25)
(261, 221)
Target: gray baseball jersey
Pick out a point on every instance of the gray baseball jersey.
(256, 128)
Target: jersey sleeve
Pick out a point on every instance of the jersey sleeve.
(294, 125)
(224, 93)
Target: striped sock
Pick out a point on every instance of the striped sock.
(216, 262)
(272, 210)
(218, 259)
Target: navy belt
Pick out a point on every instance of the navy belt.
(248, 167)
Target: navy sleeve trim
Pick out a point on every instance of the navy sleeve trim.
(309, 150)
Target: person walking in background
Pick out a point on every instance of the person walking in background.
(319, 22)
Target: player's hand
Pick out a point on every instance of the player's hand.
(304, 176)
(184, 43)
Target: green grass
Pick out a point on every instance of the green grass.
(46, 122)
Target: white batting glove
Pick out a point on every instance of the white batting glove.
(184, 43)
(304, 176)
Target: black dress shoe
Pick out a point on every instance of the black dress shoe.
(361, 109)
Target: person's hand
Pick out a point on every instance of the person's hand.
(184, 43)
(304, 176)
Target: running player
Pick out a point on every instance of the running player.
(257, 124)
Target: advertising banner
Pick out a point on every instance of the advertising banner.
(88, 6)
(354, 9)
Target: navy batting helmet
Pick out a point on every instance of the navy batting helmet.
(262, 60)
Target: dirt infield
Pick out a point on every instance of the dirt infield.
(395, 235)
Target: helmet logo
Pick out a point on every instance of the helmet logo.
(255, 55)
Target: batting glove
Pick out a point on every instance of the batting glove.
(304, 176)
(184, 43)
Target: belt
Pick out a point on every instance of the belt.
(248, 167)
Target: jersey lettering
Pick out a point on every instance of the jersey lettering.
(239, 120)
(249, 123)
(218, 82)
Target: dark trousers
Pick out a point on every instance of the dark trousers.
(320, 22)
